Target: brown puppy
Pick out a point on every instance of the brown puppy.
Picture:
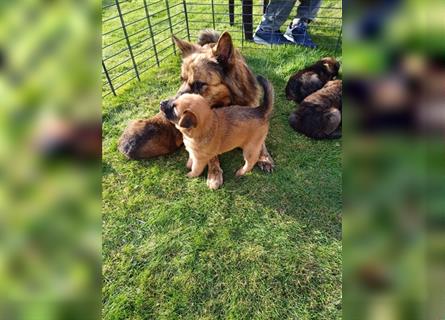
(215, 70)
(319, 115)
(311, 78)
(210, 132)
(149, 138)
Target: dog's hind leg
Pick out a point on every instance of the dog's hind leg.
(251, 155)
(265, 161)
(214, 174)
(332, 120)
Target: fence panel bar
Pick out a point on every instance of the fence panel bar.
(170, 25)
(108, 78)
(338, 40)
(151, 32)
(213, 15)
(126, 38)
(155, 53)
(186, 18)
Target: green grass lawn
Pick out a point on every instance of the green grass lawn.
(266, 246)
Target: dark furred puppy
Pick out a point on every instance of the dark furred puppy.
(149, 138)
(319, 115)
(311, 79)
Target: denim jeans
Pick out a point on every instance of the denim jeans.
(278, 11)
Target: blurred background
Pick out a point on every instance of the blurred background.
(50, 171)
(394, 165)
(394, 172)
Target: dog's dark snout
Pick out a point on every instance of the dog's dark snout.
(165, 105)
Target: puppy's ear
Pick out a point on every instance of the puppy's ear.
(186, 48)
(188, 120)
(223, 50)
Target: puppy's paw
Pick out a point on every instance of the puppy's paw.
(266, 165)
(191, 174)
(240, 172)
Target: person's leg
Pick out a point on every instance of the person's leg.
(276, 14)
(297, 31)
(308, 9)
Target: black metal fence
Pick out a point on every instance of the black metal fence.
(136, 34)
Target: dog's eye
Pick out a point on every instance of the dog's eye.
(197, 86)
(183, 79)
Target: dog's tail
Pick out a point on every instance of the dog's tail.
(266, 107)
(208, 36)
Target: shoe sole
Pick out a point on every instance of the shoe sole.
(291, 39)
(259, 40)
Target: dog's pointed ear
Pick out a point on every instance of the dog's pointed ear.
(188, 120)
(185, 47)
(224, 48)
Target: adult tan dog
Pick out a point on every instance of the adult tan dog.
(209, 132)
(216, 70)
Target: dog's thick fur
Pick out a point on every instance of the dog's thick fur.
(209, 132)
(310, 79)
(215, 70)
(149, 138)
(319, 114)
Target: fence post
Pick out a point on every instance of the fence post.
(108, 78)
(186, 19)
(126, 38)
(265, 4)
(170, 25)
(151, 32)
(247, 11)
(232, 12)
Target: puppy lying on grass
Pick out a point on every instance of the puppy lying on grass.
(311, 79)
(210, 132)
(149, 138)
(319, 114)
